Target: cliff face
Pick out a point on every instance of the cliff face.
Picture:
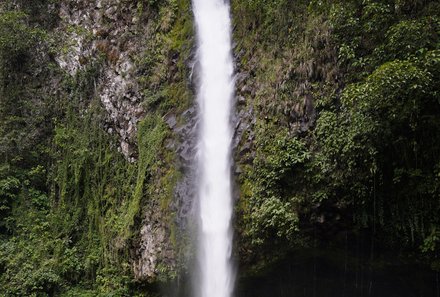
(109, 30)
(335, 133)
(317, 162)
(123, 38)
(117, 93)
(116, 34)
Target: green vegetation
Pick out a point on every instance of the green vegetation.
(70, 203)
(371, 68)
(344, 134)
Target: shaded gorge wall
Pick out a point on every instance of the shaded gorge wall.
(318, 273)
(336, 142)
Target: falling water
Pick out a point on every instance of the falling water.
(215, 96)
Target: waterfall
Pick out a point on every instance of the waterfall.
(215, 98)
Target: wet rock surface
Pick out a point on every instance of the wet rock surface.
(110, 34)
(106, 32)
(154, 251)
(185, 191)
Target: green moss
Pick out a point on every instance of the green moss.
(370, 86)
(71, 204)
(83, 199)
(151, 134)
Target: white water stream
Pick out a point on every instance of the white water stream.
(215, 98)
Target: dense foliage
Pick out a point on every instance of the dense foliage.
(70, 203)
(370, 165)
(343, 139)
